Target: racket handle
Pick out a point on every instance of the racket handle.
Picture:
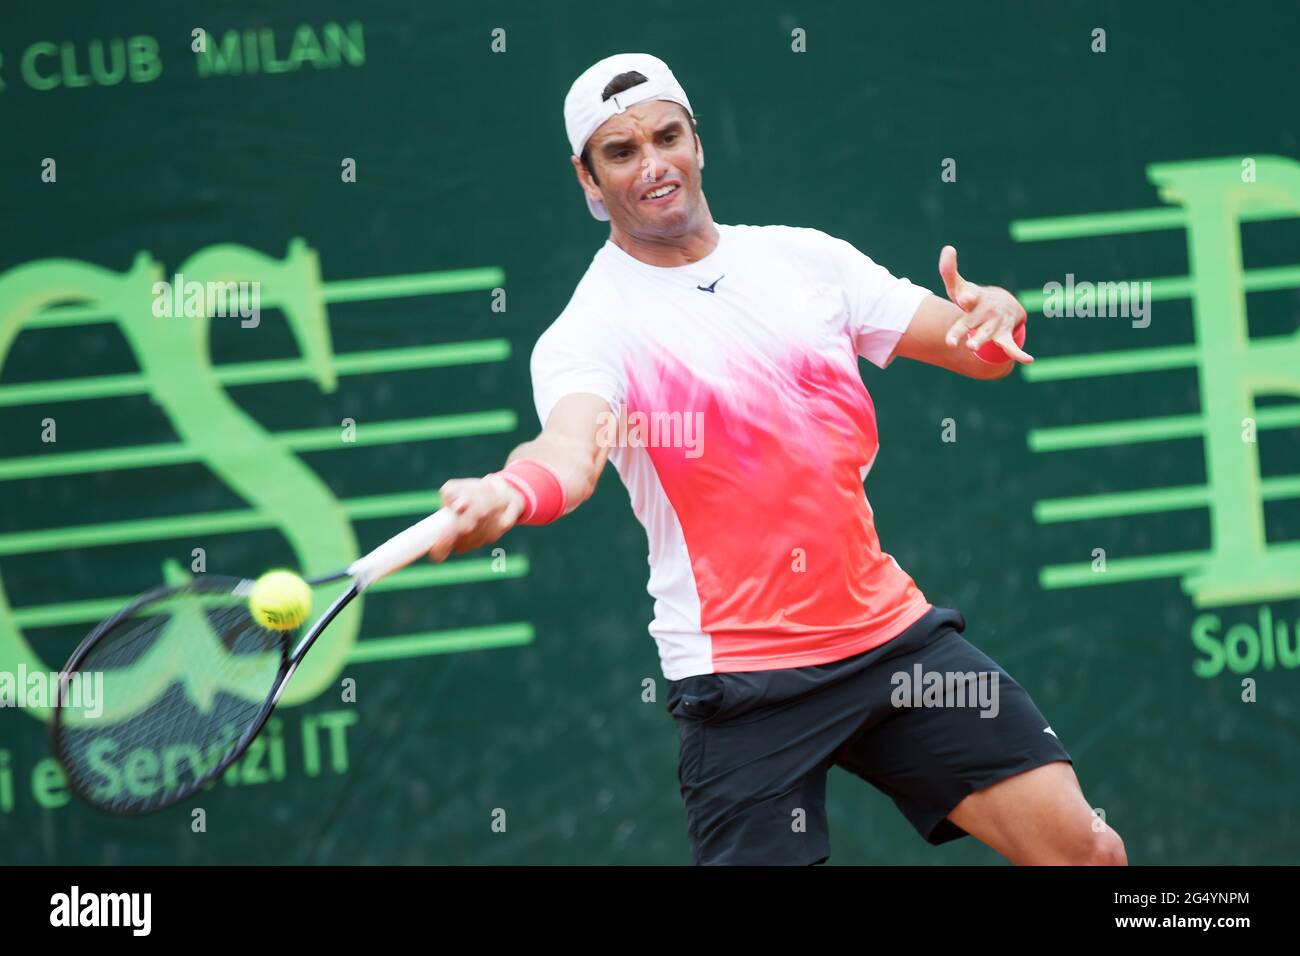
(402, 548)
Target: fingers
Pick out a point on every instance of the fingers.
(456, 493)
(962, 327)
(948, 271)
(1004, 343)
(484, 510)
(455, 540)
(1007, 343)
(992, 322)
(442, 549)
(996, 318)
(962, 293)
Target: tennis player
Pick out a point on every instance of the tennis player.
(716, 367)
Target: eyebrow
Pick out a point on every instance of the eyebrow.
(612, 145)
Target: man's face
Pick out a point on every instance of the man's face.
(639, 152)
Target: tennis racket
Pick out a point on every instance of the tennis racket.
(189, 679)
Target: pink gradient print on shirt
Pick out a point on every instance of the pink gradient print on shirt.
(783, 445)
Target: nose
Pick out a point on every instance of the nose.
(653, 167)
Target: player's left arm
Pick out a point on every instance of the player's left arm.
(947, 334)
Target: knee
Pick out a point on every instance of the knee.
(1103, 849)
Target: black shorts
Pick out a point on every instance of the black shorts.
(756, 745)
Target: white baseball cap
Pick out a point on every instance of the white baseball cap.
(585, 111)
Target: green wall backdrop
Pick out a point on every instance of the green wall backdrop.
(520, 687)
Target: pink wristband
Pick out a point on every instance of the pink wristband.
(542, 490)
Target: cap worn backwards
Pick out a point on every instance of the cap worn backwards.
(585, 109)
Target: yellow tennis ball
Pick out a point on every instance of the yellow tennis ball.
(280, 600)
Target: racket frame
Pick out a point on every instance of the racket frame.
(236, 587)
(395, 553)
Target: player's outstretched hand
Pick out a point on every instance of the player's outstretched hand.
(485, 509)
(990, 313)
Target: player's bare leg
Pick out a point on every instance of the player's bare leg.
(1040, 817)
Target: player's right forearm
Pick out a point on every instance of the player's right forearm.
(543, 479)
(569, 448)
(576, 463)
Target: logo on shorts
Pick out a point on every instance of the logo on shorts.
(921, 688)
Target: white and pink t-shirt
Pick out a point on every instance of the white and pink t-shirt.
(743, 433)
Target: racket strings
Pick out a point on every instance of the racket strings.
(178, 682)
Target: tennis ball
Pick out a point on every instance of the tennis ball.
(280, 600)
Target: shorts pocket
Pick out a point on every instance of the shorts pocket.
(698, 698)
(690, 755)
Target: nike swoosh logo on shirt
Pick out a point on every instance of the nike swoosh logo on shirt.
(709, 287)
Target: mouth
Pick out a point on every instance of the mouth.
(662, 194)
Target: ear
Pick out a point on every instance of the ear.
(584, 179)
(699, 150)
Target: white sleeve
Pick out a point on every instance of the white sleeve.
(566, 360)
(881, 305)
